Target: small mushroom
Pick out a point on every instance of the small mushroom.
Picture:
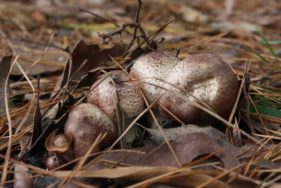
(52, 162)
(59, 145)
(115, 90)
(204, 79)
(85, 122)
(150, 70)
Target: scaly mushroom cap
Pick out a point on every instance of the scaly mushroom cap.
(150, 70)
(113, 90)
(85, 122)
(201, 78)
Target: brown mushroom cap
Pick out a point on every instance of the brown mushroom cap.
(200, 78)
(151, 69)
(57, 143)
(85, 122)
(113, 90)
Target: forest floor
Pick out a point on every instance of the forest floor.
(52, 51)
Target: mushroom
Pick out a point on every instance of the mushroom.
(52, 162)
(120, 98)
(59, 145)
(203, 79)
(150, 70)
(115, 91)
(85, 122)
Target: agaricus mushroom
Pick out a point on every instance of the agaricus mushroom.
(150, 70)
(204, 79)
(85, 122)
(59, 145)
(114, 91)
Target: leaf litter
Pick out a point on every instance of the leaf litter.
(209, 156)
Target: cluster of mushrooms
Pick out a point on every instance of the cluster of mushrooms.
(184, 90)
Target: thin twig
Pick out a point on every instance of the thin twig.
(136, 25)
(98, 16)
(137, 17)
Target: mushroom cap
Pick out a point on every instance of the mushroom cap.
(150, 70)
(114, 90)
(204, 79)
(52, 162)
(85, 122)
(57, 143)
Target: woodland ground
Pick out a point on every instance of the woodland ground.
(39, 40)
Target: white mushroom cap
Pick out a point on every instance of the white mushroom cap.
(85, 122)
(200, 78)
(52, 162)
(113, 90)
(150, 70)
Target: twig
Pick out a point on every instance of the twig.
(154, 34)
(137, 17)
(178, 52)
(104, 19)
(136, 25)
(98, 16)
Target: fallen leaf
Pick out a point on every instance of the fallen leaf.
(178, 132)
(93, 55)
(84, 58)
(188, 148)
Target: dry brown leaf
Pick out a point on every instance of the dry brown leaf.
(85, 57)
(179, 132)
(187, 148)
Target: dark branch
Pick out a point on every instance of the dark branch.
(99, 17)
(136, 25)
